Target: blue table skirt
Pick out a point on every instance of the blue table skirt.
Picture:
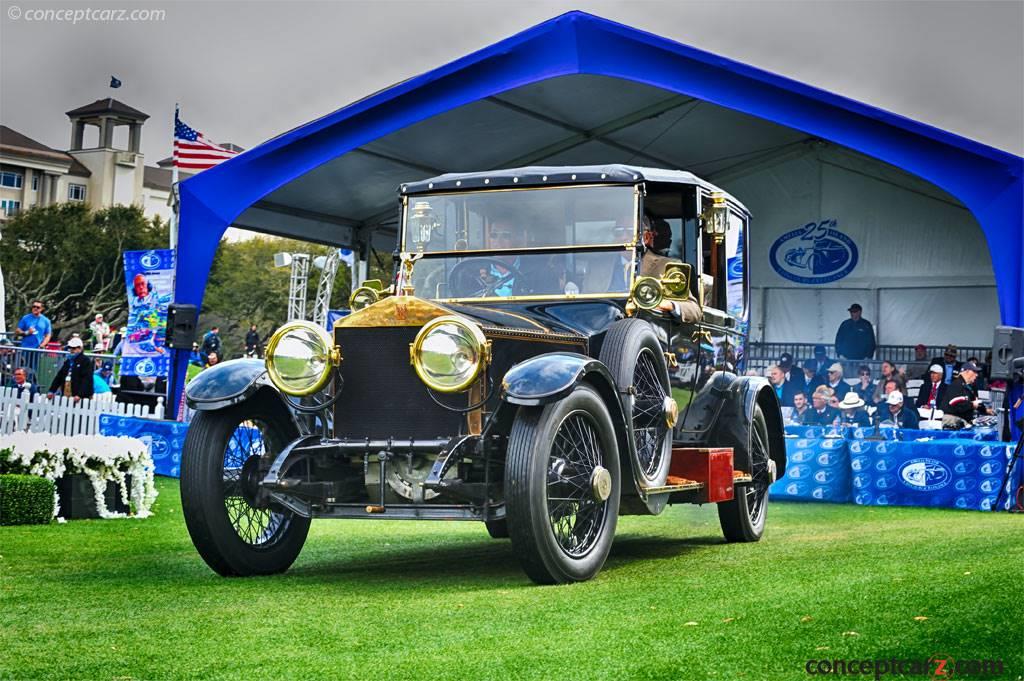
(836, 464)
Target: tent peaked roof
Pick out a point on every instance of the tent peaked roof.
(333, 179)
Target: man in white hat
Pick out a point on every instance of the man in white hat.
(898, 415)
(75, 376)
(852, 412)
(836, 382)
(933, 393)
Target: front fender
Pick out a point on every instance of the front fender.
(225, 384)
(722, 413)
(550, 377)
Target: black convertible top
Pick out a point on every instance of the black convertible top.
(538, 176)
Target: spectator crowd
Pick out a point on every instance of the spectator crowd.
(816, 391)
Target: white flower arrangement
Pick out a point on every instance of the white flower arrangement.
(101, 458)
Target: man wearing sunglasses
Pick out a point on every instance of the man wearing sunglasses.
(950, 366)
(34, 328)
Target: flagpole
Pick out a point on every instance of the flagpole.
(174, 189)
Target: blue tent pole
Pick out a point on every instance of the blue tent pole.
(199, 234)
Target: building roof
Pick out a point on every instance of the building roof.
(14, 143)
(108, 106)
(160, 178)
(77, 168)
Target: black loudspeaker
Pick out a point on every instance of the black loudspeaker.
(181, 326)
(1007, 346)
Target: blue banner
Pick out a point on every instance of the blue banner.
(150, 280)
(165, 439)
(816, 470)
(952, 469)
(949, 473)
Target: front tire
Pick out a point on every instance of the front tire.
(743, 518)
(225, 455)
(562, 485)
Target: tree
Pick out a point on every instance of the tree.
(69, 256)
(245, 288)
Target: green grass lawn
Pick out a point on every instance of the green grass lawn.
(131, 599)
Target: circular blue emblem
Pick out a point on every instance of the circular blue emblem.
(145, 367)
(816, 253)
(150, 260)
(925, 475)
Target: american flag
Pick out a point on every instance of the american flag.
(192, 151)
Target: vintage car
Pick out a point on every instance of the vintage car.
(515, 372)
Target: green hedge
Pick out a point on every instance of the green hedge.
(25, 500)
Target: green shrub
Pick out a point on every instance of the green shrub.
(25, 500)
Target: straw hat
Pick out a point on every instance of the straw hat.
(851, 400)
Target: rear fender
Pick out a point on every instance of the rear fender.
(722, 413)
(548, 378)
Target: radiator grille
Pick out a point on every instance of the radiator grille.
(383, 397)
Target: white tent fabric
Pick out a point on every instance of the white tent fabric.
(923, 272)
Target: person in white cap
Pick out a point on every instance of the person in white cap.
(75, 376)
(933, 393)
(100, 334)
(851, 408)
(898, 415)
(836, 382)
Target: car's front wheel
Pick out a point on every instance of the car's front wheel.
(226, 454)
(562, 484)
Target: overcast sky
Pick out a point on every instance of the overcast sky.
(246, 71)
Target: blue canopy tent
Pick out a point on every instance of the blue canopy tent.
(577, 89)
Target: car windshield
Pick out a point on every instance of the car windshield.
(564, 241)
(520, 219)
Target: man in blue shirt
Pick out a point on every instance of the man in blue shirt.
(34, 328)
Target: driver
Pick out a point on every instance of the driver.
(510, 273)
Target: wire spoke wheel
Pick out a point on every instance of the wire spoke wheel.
(576, 517)
(562, 487)
(743, 517)
(238, 530)
(649, 429)
(245, 458)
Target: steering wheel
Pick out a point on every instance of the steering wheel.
(467, 282)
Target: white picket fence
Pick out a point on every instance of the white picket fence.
(61, 415)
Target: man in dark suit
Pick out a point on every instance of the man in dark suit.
(811, 379)
(20, 383)
(933, 391)
(784, 389)
(950, 367)
(75, 377)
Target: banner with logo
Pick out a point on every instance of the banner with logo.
(150, 279)
(165, 439)
(947, 468)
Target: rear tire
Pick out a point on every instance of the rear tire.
(635, 358)
(220, 465)
(743, 518)
(562, 485)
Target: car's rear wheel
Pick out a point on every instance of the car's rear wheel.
(562, 485)
(743, 517)
(634, 357)
(226, 454)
